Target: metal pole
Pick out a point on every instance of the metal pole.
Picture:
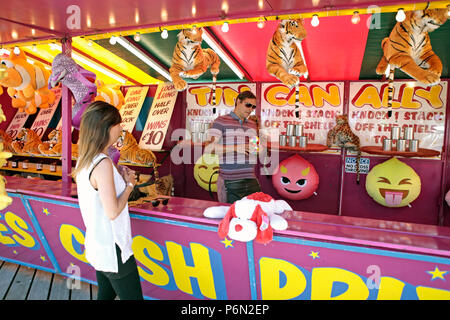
(66, 114)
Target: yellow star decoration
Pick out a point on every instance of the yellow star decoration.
(437, 274)
(314, 255)
(43, 258)
(45, 210)
(227, 242)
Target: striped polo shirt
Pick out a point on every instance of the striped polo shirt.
(231, 130)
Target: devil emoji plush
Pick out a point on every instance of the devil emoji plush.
(254, 217)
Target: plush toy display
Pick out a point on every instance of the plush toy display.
(6, 140)
(342, 135)
(253, 217)
(190, 60)
(206, 171)
(408, 48)
(393, 183)
(27, 141)
(80, 82)
(131, 152)
(295, 178)
(26, 83)
(110, 94)
(4, 199)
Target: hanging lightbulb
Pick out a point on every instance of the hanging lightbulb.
(34, 47)
(164, 34)
(260, 23)
(194, 30)
(225, 27)
(355, 17)
(90, 43)
(137, 37)
(401, 16)
(16, 50)
(113, 40)
(315, 20)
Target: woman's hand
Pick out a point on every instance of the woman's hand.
(129, 177)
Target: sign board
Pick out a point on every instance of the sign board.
(17, 123)
(44, 116)
(129, 112)
(159, 117)
(350, 165)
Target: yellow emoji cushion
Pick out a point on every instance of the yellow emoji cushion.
(393, 183)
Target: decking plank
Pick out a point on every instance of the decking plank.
(83, 293)
(7, 273)
(59, 289)
(41, 285)
(94, 291)
(21, 284)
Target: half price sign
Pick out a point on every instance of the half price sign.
(134, 99)
(159, 117)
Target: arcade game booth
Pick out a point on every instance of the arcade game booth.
(351, 150)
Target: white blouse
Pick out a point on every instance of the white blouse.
(103, 233)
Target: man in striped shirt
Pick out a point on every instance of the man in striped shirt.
(230, 138)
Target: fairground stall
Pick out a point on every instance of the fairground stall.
(352, 148)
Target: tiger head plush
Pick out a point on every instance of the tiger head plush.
(408, 47)
(284, 58)
(29, 140)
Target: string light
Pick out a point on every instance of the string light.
(225, 27)
(356, 18)
(16, 50)
(401, 16)
(90, 43)
(315, 20)
(137, 37)
(194, 29)
(34, 47)
(164, 34)
(113, 40)
(260, 23)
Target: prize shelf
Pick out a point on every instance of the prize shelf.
(422, 153)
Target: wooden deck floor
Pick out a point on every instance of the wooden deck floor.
(23, 283)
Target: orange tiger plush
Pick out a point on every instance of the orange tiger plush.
(6, 140)
(408, 47)
(189, 60)
(130, 151)
(284, 59)
(27, 141)
(52, 147)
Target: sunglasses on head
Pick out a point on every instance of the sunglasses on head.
(249, 105)
(156, 202)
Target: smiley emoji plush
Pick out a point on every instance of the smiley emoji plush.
(393, 183)
(295, 178)
(205, 171)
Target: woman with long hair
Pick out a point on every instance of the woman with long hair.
(103, 198)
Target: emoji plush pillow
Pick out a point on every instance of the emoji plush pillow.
(205, 171)
(393, 183)
(295, 178)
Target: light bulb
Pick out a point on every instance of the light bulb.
(164, 34)
(260, 23)
(400, 15)
(194, 30)
(315, 20)
(225, 27)
(355, 17)
(90, 43)
(113, 40)
(16, 50)
(137, 37)
(34, 47)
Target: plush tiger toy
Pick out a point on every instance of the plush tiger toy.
(189, 60)
(27, 141)
(343, 136)
(408, 48)
(284, 56)
(131, 152)
(52, 147)
(6, 140)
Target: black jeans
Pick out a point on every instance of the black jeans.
(125, 284)
(237, 189)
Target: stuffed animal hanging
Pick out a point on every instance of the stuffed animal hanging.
(253, 217)
(190, 60)
(343, 136)
(110, 94)
(81, 83)
(284, 56)
(26, 83)
(408, 48)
